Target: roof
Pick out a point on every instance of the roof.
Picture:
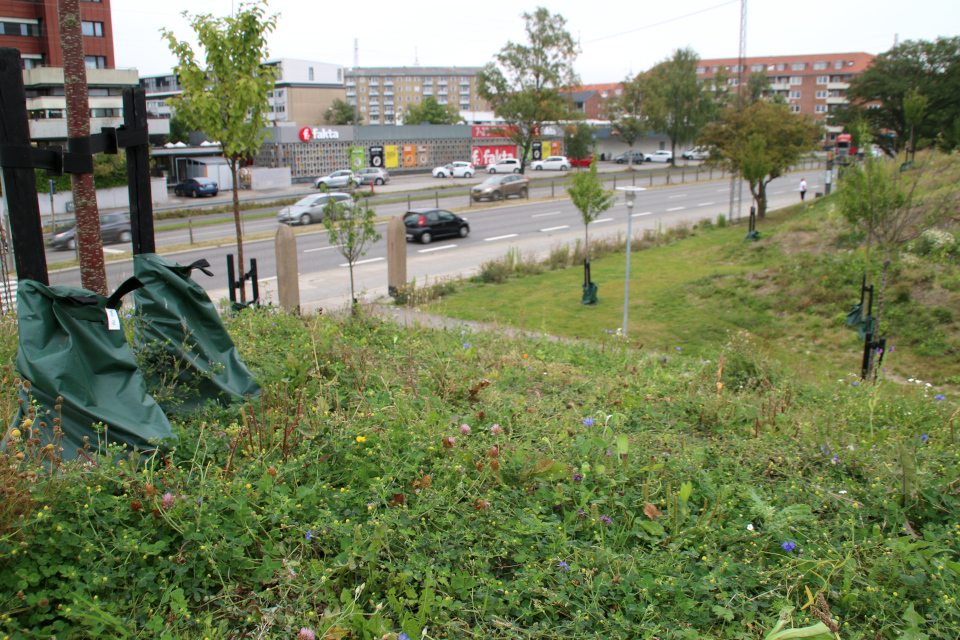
(860, 60)
(609, 86)
(407, 71)
(581, 96)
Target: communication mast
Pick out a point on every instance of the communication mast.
(736, 184)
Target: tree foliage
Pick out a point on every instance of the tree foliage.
(760, 142)
(626, 114)
(930, 69)
(675, 103)
(179, 131)
(432, 112)
(524, 83)
(340, 112)
(591, 198)
(578, 139)
(226, 96)
(351, 229)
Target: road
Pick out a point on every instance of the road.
(532, 227)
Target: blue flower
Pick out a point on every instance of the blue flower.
(939, 397)
(588, 422)
(925, 438)
(128, 316)
(309, 535)
(856, 383)
(605, 519)
(789, 546)
(403, 636)
(564, 566)
(678, 348)
(466, 345)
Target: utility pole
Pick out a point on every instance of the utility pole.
(736, 184)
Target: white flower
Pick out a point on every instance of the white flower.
(749, 527)
(909, 379)
(842, 491)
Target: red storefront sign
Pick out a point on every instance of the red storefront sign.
(484, 156)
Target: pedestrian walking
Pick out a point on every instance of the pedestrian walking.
(803, 188)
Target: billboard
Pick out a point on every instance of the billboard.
(391, 156)
(356, 158)
(376, 157)
(556, 148)
(409, 155)
(537, 150)
(483, 156)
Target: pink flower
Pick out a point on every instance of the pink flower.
(496, 429)
(168, 500)
(465, 429)
(306, 634)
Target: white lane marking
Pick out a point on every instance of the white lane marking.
(509, 235)
(682, 195)
(267, 279)
(319, 249)
(603, 220)
(722, 190)
(540, 215)
(645, 213)
(565, 226)
(676, 208)
(347, 264)
(705, 204)
(446, 246)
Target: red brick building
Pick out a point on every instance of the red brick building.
(33, 28)
(590, 99)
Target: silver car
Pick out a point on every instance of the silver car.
(310, 209)
(344, 179)
(373, 175)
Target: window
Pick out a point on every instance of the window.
(309, 73)
(794, 95)
(714, 69)
(794, 108)
(838, 64)
(95, 62)
(798, 66)
(820, 108)
(757, 67)
(92, 29)
(820, 66)
(701, 70)
(19, 29)
(823, 79)
(104, 113)
(782, 66)
(821, 95)
(796, 80)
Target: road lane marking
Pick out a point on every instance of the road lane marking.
(318, 249)
(682, 195)
(347, 264)
(565, 226)
(603, 220)
(266, 279)
(676, 208)
(446, 246)
(540, 215)
(509, 235)
(705, 204)
(722, 190)
(645, 213)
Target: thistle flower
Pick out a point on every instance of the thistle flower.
(465, 429)
(168, 501)
(496, 429)
(306, 634)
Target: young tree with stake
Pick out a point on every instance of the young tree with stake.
(352, 231)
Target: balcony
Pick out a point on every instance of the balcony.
(442, 83)
(442, 92)
(464, 83)
(374, 102)
(351, 93)
(388, 83)
(428, 92)
(388, 92)
(838, 86)
(388, 102)
(836, 100)
(779, 86)
(388, 112)
(374, 82)
(374, 92)
(464, 92)
(351, 83)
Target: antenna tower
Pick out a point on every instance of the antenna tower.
(736, 184)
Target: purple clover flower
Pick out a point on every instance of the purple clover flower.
(168, 501)
(605, 519)
(465, 429)
(496, 429)
(577, 477)
(306, 634)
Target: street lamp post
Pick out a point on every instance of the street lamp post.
(631, 194)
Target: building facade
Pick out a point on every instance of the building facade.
(33, 28)
(812, 84)
(591, 99)
(381, 94)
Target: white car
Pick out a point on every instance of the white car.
(455, 170)
(658, 156)
(310, 209)
(553, 163)
(344, 179)
(697, 153)
(507, 165)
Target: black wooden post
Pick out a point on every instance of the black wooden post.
(231, 282)
(254, 285)
(138, 170)
(19, 181)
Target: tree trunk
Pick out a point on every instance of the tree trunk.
(762, 200)
(673, 153)
(353, 300)
(236, 220)
(93, 276)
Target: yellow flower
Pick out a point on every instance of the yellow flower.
(361, 439)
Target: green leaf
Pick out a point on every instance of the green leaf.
(723, 612)
(653, 528)
(623, 445)
(600, 442)
(818, 631)
(685, 490)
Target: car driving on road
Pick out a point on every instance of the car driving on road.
(373, 175)
(499, 187)
(658, 156)
(310, 209)
(507, 165)
(697, 153)
(423, 225)
(344, 179)
(637, 157)
(114, 227)
(553, 163)
(195, 187)
(454, 170)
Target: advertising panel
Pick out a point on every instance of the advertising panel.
(391, 156)
(356, 158)
(483, 156)
(556, 148)
(376, 157)
(409, 155)
(422, 155)
(538, 151)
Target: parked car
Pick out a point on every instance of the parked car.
(195, 187)
(338, 180)
(114, 227)
(455, 170)
(555, 163)
(500, 187)
(507, 165)
(373, 175)
(697, 153)
(658, 156)
(310, 209)
(582, 162)
(637, 157)
(423, 225)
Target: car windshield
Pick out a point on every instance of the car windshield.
(203, 180)
(493, 180)
(307, 202)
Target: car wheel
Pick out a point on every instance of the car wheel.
(491, 171)
(539, 167)
(516, 170)
(125, 236)
(523, 193)
(305, 219)
(378, 181)
(496, 196)
(564, 167)
(464, 231)
(468, 175)
(323, 187)
(71, 244)
(193, 194)
(425, 237)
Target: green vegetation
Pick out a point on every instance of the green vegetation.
(432, 112)
(108, 171)
(340, 112)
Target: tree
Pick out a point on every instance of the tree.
(524, 84)
(227, 96)
(352, 231)
(340, 112)
(93, 275)
(931, 69)
(578, 138)
(588, 195)
(914, 108)
(675, 103)
(625, 114)
(432, 112)
(179, 131)
(760, 142)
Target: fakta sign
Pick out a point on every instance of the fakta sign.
(318, 133)
(484, 156)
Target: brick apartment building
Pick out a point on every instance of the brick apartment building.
(591, 99)
(812, 84)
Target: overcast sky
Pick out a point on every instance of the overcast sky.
(616, 36)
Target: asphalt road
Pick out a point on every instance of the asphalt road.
(532, 227)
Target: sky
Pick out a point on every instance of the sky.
(617, 37)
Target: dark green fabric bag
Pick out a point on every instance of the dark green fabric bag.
(69, 348)
(855, 316)
(177, 320)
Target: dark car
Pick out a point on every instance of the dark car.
(423, 225)
(500, 187)
(195, 187)
(622, 158)
(114, 227)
